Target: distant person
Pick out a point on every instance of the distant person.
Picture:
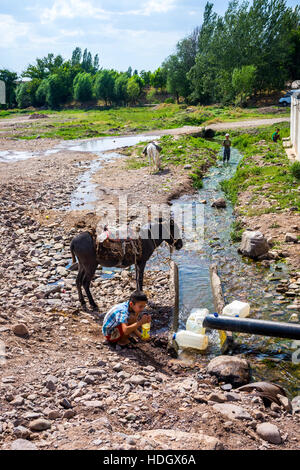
(276, 135)
(226, 145)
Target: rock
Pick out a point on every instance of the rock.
(39, 424)
(118, 367)
(51, 383)
(17, 401)
(23, 444)
(232, 411)
(253, 244)
(20, 330)
(232, 369)
(69, 414)
(173, 439)
(217, 397)
(269, 432)
(187, 167)
(65, 403)
(136, 380)
(93, 404)
(290, 238)
(296, 404)
(219, 203)
(285, 403)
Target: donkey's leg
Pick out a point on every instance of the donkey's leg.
(88, 276)
(79, 284)
(139, 275)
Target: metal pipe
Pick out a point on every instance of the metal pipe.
(252, 326)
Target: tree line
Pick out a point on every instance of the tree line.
(251, 48)
(55, 81)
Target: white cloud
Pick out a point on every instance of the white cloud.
(11, 30)
(71, 9)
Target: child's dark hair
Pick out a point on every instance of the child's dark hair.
(138, 296)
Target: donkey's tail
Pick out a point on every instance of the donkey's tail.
(74, 261)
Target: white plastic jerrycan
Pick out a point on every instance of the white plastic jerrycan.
(237, 309)
(195, 321)
(187, 339)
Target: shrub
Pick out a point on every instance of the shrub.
(295, 170)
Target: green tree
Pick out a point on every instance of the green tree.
(41, 93)
(243, 81)
(23, 95)
(159, 78)
(58, 91)
(104, 85)
(133, 90)
(121, 88)
(83, 87)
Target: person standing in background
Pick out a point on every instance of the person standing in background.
(227, 146)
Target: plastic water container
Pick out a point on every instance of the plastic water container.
(146, 330)
(237, 309)
(187, 339)
(195, 321)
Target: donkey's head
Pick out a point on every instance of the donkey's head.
(170, 233)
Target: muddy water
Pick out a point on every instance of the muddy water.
(88, 193)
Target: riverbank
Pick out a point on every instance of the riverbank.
(266, 194)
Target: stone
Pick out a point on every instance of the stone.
(23, 444)
(219, 203)
(136, 380)
(173, 439)
(290, 238)
(231, 411)
(93, 404)
(39, 424)
(269, 432)
(20, 330)
(217, 397)
(296, 404)
(230, 369)
(253, 244)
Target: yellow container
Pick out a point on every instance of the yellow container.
(146, 330)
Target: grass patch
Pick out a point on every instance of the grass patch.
(273, 181)
(80, 123)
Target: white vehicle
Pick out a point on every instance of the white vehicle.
(286, 99)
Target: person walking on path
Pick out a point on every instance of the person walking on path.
(227, 146)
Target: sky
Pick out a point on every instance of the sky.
(124, 33)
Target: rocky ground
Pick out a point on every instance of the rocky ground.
(61, 385)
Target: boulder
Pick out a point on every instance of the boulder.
(254, 244)
(230, 369)
(169, 439)
(296, 404)
(39, 424)
(20, 330)
(219, 203)
(23, 444)
(269, 432)
(232, 411)
(290, 238)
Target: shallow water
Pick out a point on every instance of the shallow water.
(242, 279)
(87, 193)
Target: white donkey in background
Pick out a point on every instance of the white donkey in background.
(152, 150)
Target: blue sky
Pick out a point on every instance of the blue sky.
(125, 32)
